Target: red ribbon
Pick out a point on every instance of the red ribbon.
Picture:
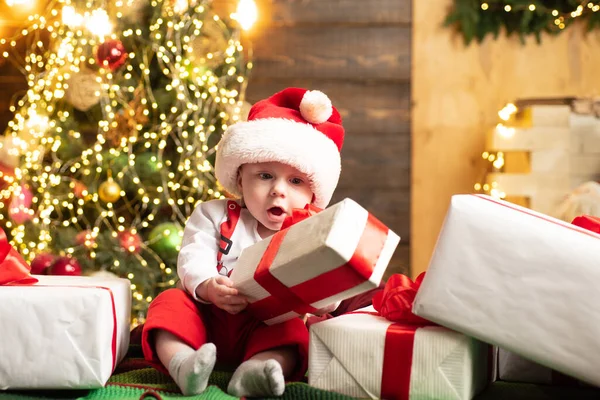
(299, 298)
(300, 214)
(588, 222)
(395, 304)
(13, 268)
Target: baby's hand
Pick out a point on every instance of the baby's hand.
(326, 310)
(219, 291)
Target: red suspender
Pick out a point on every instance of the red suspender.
(227, 228)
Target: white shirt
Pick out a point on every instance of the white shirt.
(197, 260)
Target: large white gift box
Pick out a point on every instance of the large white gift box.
(520, 280)
(366, 356)
(338, 253)
(63, 332)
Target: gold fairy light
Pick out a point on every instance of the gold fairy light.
(50, 71)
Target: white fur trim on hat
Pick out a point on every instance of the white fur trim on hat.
(282, 140)
(315, 107)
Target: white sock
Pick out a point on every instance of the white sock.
(191, 369)
(255, 378)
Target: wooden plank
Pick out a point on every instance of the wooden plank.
(373, 107)
(390, 206)
(289, 13)
(294, 12)
(338, 53)
(376, 162)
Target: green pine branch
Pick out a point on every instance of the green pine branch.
(476, 19)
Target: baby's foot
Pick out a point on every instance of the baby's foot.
(191, 369)
(254, 378)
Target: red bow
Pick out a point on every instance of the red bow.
(395, 302)
(588, 222)
(300, 214)
(13, 268)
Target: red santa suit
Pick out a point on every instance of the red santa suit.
(214, 236)
(297, 127)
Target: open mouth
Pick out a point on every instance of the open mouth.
(275, 211)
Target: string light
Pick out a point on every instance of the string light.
(560, 20)
(246, 13)
(203, 104)
(20, 3)
(497, 159)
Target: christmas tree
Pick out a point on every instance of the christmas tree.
(115, 137)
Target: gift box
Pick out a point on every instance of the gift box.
(511, 367)
(59, 332)
(520, 280)
(316, 260)
(364, 354)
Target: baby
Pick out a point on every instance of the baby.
(285, 156)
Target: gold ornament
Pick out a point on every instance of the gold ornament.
(109, 191)
(128, 118)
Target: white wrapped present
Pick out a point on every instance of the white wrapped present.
(511, 367)
(338, 253)
(63, 332)
(520, 280)
(364, 355)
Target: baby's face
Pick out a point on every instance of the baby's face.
(271, 190)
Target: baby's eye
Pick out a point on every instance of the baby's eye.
(265, 175)
(297, 181)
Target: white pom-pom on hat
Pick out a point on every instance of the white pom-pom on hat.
(315, 107)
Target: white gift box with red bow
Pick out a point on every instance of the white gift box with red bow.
(331, 256)
(63, 332)
(520, 280)
(367, 356)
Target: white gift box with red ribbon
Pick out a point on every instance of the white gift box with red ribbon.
(338, 253)
(367, 356)
(520, 280)
(63, 332)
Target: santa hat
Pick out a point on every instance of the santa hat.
(297, 127)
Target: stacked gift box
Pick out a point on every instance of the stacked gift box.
(512, 291)
(383, 351)
(522, 281)
(59, 332)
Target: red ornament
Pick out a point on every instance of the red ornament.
(85, 238)
(7, 174)
(65, 266)
(78, 189)
(41, 263)
(111, 54)
(130, 241)
(19, 208)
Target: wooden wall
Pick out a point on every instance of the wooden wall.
(457, 92)
(358, 52)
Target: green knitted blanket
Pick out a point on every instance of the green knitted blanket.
(133, 380)
(147, 383)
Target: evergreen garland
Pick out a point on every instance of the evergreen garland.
(475, 19)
